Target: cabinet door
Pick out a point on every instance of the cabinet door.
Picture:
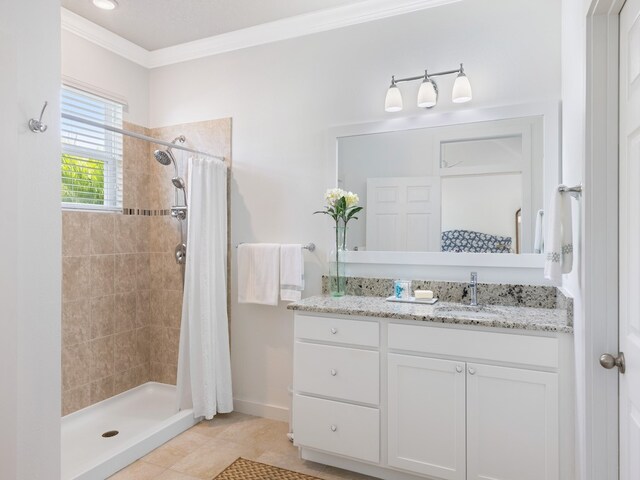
(512, 424)
(426, 416)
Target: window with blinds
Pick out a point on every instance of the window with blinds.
(91, 155)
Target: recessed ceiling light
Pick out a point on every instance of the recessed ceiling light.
(105, 4)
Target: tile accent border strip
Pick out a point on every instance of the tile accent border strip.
(146, 213)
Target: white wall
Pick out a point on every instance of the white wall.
(85, 62)
(29, 266)
(284, 96)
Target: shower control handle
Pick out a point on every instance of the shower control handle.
(181, 253)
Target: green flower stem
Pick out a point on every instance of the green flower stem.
(337, 263)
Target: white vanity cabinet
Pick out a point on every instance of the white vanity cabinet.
(506, 418)
(451, 403)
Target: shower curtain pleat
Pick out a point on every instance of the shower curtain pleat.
(204, 367)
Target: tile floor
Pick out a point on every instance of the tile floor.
(205, 450)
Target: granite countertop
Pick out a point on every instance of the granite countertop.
(497, 316)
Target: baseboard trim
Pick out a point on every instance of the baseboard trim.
(261, 410)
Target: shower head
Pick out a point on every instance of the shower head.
(165, 157)
(178, 182)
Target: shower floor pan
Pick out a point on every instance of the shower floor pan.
(144, 418)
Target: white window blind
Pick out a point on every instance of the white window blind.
(91, 156)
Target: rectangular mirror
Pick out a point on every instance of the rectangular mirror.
(474, 187)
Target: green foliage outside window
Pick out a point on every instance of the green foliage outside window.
(82, 180)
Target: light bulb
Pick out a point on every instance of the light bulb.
(105, 4)
(428, 94)
(393, 101)
(461, 88)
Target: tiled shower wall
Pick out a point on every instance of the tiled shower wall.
(122, 290)
(106, 306)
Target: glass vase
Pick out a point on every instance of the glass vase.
(337, 278)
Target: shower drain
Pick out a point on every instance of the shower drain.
(110, 433)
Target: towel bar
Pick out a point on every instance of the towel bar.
(575, 191)
(309, 246)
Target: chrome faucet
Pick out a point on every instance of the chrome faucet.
(473, 285)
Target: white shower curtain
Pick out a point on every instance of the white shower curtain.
(204, 370)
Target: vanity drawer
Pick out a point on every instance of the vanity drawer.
(340, 372)
(337, 330)
(493, 346)
(335, 427)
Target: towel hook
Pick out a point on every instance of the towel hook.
(36, 126)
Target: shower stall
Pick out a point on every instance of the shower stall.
(122, 305)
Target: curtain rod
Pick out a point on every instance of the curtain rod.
(138, 136)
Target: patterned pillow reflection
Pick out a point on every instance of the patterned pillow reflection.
(474, 242)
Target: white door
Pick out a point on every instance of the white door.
(512, 424)
(630, 239)
(403, 214)
(426, 419)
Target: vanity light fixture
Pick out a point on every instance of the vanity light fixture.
(461, 88)
(393, 101)
(105, 4)
(428, 93)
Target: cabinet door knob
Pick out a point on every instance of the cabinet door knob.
(333, 428)
(334, 330)
(458, 369)
(334, 372)
(472, 371)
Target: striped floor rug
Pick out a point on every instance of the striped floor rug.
(243, 469)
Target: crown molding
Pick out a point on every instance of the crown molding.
(104, 38)
(291, 27)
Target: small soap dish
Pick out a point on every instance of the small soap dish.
(423, 301)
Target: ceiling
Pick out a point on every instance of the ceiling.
(155, 24)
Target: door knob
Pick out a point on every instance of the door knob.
(333, 428)
(609, 361)
(333, 372)
(334, 330)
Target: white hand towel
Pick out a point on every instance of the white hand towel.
(258, 273)
(291, 272)
(559, 244)
(538, 243)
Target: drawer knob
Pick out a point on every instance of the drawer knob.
(472, 371)
(334, 372)
(334, 330)
(458, 369)
(333, 428)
